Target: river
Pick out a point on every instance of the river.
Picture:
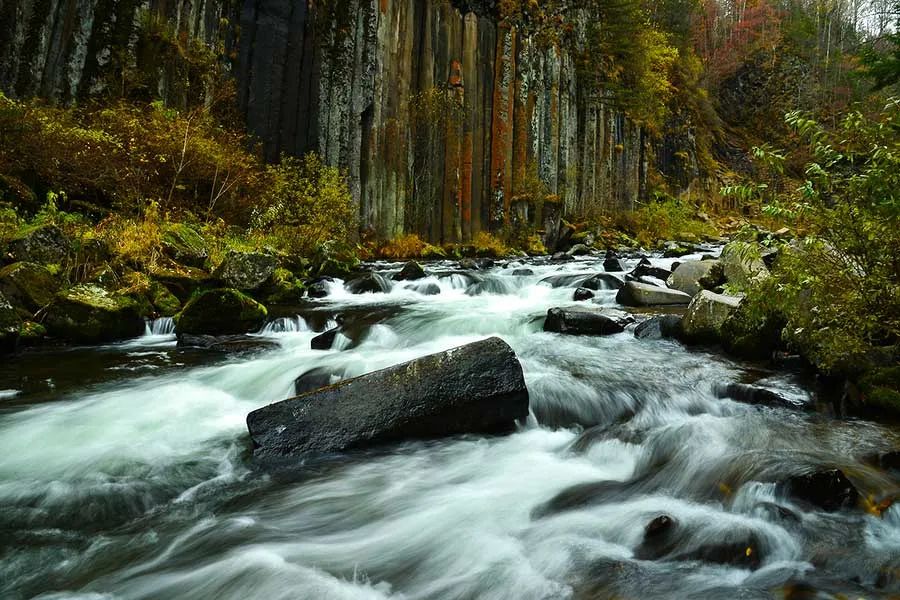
(125, 471)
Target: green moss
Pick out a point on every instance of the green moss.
(185, 245)
(221, 312)
(89, 313)
(163, 300)
(28, 284)
(881, 390)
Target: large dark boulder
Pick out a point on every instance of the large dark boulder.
(645, 269)
(325, 340)
(829, 490)
(220, 312)
(477, 388)
(28, 285)
(659, 327)
(90, 314)
(46, 245)
(411, 271)
(582, 294)
(586, 322)
(246, 271)
(613, 264)
(642, 294)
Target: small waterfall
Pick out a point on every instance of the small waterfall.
(161, 326)
(285, 325)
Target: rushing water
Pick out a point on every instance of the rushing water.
(125, 470)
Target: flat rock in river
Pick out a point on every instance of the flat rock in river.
(477, 388)
(643, 294)
(578, 321)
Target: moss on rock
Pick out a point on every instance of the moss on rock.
(183, 244)
(221, 312)
(90, 314)
(29, 285)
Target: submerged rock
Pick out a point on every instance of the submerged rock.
(603, 281)
(46, 244)
(643, 294)
(523, 273)
(829, 490)
(582, 294)
(477, 388)
(659, 327)
(221, 312)
(706, 315)
(246, 271)
(411, 271)
(28, 285)
(586, 322)
(91, 314)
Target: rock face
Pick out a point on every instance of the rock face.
(586, 322)
(478, 388)
(90, 314)
(28, 284)
(689, 274)
(246, 271)
(643, 294)
(220, 312)
(344, 78)
(706, 315)
(45, 245)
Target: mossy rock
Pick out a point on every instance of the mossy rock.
(246, 270)
(29, 285)
(30, 333)
(881, 391)
(430, 252)
(221, 312)
(285, 289)
(750, 335)
(183, 244)
(90, 314)
(180, 280)
(10, 325)
(18, 193)
(46, 244)
(165, 302)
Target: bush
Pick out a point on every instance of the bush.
(665, 218)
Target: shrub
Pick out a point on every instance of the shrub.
(664, 218)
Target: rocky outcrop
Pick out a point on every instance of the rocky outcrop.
(220, 312)
(91, 314)
(478, 388)
(438, 112)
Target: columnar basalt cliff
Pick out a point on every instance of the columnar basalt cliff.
(443, 117)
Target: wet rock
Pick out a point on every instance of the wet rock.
(221, 312)
(828, 490)
(468, 264)
(411, 271)
(28, 285)
(318, 288)
(890, 460)
(370, 283)
(477, 388)
(183, 244)
(523, 273)
(751, 394)
(90, 314)
(45, 245)
(325, 340)
(246, 271)
(603, 281)
(10, 324)
(570, 280)
(587, 494)
(428, 289)
(705, 316)
(613, 264)
(659, 538)
(642, 294)
(226, 344)
(586, 321)
(485, 263)
(645, 269)
(283, 289)
(164, 301)
(312, 380)
(688, 275)
(659, 327)
(561, 257)
(582, 294)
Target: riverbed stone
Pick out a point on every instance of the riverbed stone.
(582, 294)
(705, 316)
(29, 285)
(828, 490)
(659, 327)
(411, 271)
(579, 321)
(88, 313)
(643, 294)
(758, 396)
(688, 275)
(477, 389)
(220, 312)
(613, 264)
(46, 244)
(246, 271)
(603, 281)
